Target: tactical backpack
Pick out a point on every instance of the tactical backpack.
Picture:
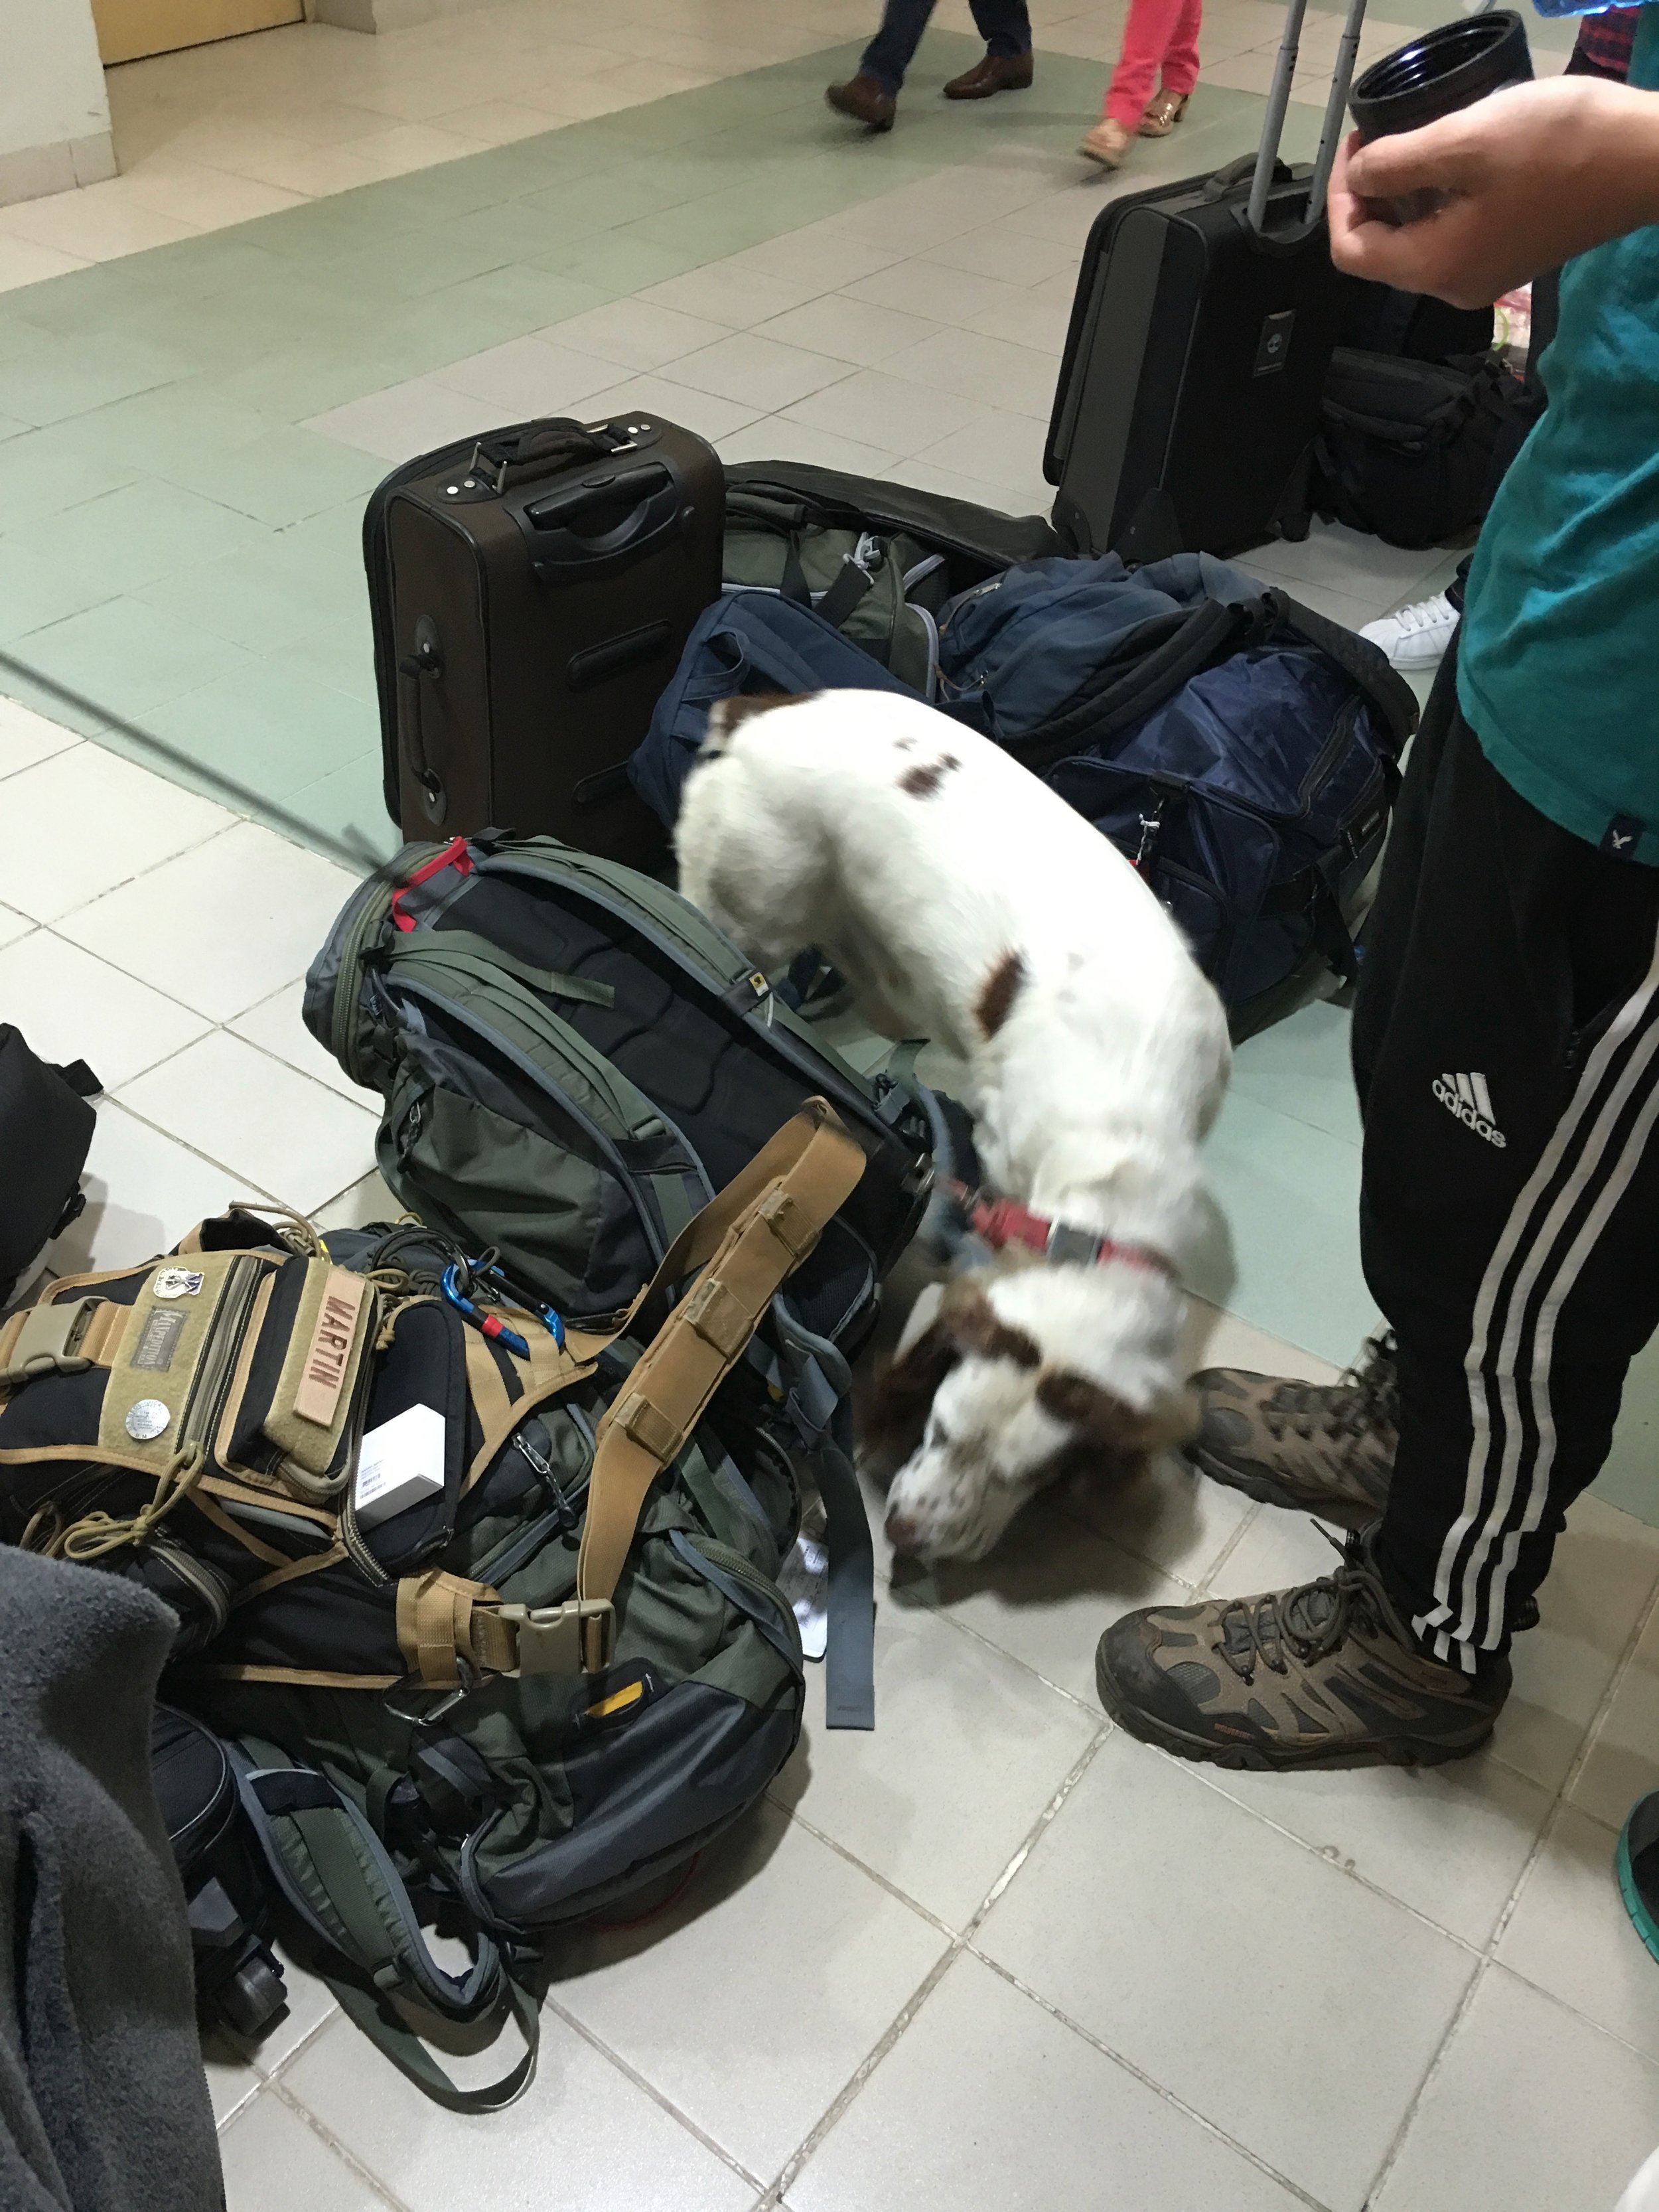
(1412, 450)
(554, 1673)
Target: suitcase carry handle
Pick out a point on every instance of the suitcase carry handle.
(565, 539)
(1330, 136)
(424, 665)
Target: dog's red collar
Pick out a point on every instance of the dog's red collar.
(1002, 1221)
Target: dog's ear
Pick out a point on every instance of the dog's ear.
(897, 1411)
(1107, 1429)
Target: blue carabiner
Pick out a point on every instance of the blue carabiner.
(491, 1324)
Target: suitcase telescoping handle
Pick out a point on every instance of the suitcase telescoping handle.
(604, 521)
(1273, 128)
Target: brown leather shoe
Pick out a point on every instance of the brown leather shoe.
(994, 73)
(863, 99)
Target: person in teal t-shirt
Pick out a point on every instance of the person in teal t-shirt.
(1506, 1031)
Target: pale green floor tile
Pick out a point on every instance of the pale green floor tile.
(1299, 1069)
(339, 653)
(47, 472)
(270, 725)
(263, 598)
(1285, 1251)
(128, 656)
(281, 478)
(347, 806)
(296, 381)
(152, 430)
(117, 543)
(19, 682)
(66, 375)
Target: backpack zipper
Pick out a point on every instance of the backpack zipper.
(204, 1403)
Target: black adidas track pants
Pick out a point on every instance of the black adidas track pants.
(1506, 1053)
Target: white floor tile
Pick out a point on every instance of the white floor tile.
(1603, 1574)
(27, 737)
(273, 2161)
(583, 2138)
(277, 1026)
(1043, 1597)
(832, 259)
(849, 329)
(221, 927)
(1007, 255)
(923, 286)
(1624, 1760)
(260, 1117)
(799, 1961)
(23, 262)
(739, 298)
(1002, 447)
(705, 412)
(1571, 1934)
(879, 409)
(405, 418)
(365, 1203)
(1173, 1517)
(124, 820)
(1449, 1841)
(528, 377)
(755, 370)
(232, 2079)
(143, 1191)
(637, 333)
(1018, 378)
(1130, 1915)
(967, 1751)
(775, 438)
(13, 926)
(72, 1006)
(1343, 560)
(988, 2102)
(1531, 2110)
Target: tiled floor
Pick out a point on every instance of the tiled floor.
(994, 1954)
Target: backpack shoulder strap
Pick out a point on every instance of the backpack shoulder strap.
(1358, 657)
(1168, 650)
(340, 1881)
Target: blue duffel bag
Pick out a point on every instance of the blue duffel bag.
(1240, 748)
(746, 642)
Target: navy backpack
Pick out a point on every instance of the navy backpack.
(1242, 750)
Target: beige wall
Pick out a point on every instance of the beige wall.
(54, 117)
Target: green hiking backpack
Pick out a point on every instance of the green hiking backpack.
(574, 1061)
(881, 590)
(559, 1669)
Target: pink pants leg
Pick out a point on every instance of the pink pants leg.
(1160, 35)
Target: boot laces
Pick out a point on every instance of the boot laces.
(1304, 1623)
(1346, 1412)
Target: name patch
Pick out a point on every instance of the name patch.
(324, 1374)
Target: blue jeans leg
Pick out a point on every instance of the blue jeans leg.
(1004, 25)
(889, 54)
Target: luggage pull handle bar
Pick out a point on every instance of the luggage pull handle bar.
(1278, 101)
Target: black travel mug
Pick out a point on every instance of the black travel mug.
(1434, 75)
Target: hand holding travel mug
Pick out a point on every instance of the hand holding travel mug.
(1435, 75)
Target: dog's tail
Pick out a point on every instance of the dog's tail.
(728, 714)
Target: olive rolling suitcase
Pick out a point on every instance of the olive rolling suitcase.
(530, 592)
(1205, 314)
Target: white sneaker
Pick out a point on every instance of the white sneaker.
(1416, 636)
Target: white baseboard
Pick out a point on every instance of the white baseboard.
(33, 172)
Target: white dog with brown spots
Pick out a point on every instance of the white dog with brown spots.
(964, 902)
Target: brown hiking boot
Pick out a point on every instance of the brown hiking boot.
(992, 73)
(1324, 1448)
(864, 100)
(1325, 1675)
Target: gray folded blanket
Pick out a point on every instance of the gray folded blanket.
(103, 2102)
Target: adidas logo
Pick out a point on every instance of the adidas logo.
(1467, 1096)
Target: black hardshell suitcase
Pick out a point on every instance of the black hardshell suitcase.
(239, 1982)
(1203, 325)
(531, 590)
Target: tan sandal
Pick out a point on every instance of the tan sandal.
(1163, 113)
(1106, 144)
